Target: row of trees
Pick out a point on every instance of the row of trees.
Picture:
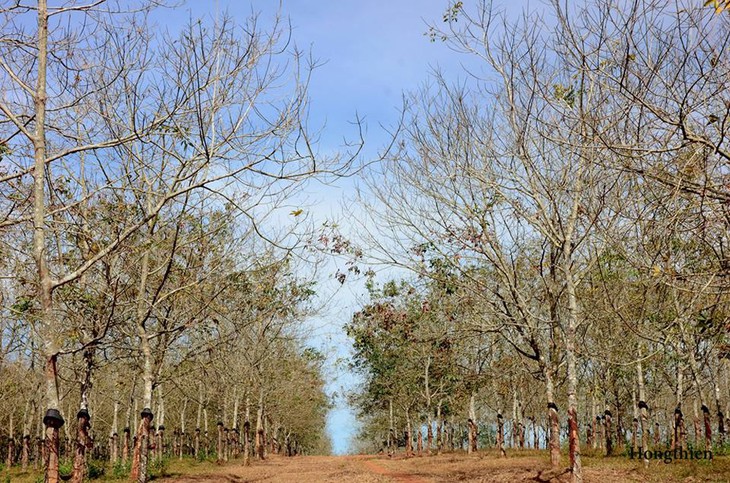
(565, 212)
(137, 167)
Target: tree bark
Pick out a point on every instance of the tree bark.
(570, 352)
(219, 443)
(25, 456)
(260, 442)
(553, 421)
(609, 433)
(708, 427)
(643, 410)
(82, 444)
(471, 426)
(9, 460)
(391, 429)
(698, 431)
(48, 324)
(125, 446)
(409, 440)
(500, 435)
(247, 434)
(141, 448)
(439, 429)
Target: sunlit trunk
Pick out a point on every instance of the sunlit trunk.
(260, 441)
(553, 421)
(9, 460)
(471, 426)
(141, 447)
(409, 437)
(570, 355)
(82, 443)
(247, 434)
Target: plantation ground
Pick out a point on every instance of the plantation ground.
(528, 466)
(485, 467)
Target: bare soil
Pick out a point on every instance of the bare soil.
(526, 466)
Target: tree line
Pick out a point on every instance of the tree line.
(148, 310)
(563, 212)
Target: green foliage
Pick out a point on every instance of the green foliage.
(66, 467)
(565, 93)
(22, 305)
(95, 469)
(4, 151)
(121, 469)
(452, 14)
(158, 467)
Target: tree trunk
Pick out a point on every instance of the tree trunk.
(114, 435)
(141, 448)
(619, 425)
(48, 323)
(391, 429)
(609, 434)
(500, 435)
(698, 431)
(181, 448)
(127, 423)
(196, 450)
(409, 440)
(82, 444)
(196, 444)
(429, 435)
(160, 445)
(471, 426)
(260, 442)
(219, 443)
(515, 437)
(9, 460)
(143, 439)
(720, 417)
(25, 456)
(678, 416)
(708, 427)
(643, 410)
(247, 434)
(439, 429)
(677, 439)
(451, 434)
(553, 421)
(125, 446)
(570, 352)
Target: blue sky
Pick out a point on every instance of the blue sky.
(370, 52)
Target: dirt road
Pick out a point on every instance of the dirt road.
(525, 467)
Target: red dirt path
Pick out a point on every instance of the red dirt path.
(528, 466)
